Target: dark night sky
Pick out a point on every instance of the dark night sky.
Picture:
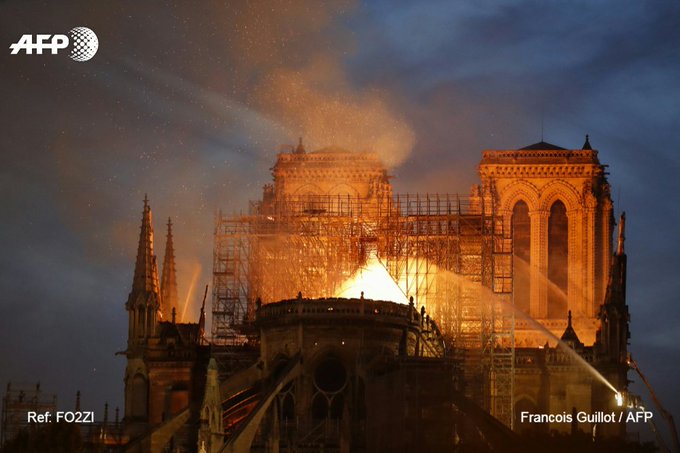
(190, 102)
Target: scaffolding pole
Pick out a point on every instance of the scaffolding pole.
(452, 254)
(19, 399)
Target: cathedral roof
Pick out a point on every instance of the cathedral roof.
(186, 333)
(333, 150)
(542, 146)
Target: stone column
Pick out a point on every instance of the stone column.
(578, 261)
(590, 252)
(538, 251)
(606, 250)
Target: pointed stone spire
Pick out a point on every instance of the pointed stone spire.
(144, 304)
(622, 235)
(169, 277)
(616, 287)
(586, 145)
(146, 271)
(614, 317)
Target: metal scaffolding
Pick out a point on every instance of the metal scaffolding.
(19, 399)
(230, 270)
(452, 254)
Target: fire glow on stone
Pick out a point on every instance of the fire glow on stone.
(376, 283)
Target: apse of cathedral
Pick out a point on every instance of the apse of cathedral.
(513, 302)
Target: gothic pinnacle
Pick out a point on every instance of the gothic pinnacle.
(622, 235)
(587, 145)
(300, 149)
(146, 272)
(169, 277)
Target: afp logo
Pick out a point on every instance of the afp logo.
(83, 42)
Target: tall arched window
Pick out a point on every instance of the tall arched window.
(288, 407)
(521, 240)
(320, 407)
(558, 259)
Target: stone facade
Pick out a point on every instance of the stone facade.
(329, 172)
(334, 372)
(541, 176)
(166, 360)
(343, 375)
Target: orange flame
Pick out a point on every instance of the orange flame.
(375, 282)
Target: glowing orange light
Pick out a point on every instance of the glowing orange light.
(190, 292)
(376, 283)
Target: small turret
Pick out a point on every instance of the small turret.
(569, 336)
(586, 145)
(300, 148)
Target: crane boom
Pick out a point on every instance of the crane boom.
(664, 413)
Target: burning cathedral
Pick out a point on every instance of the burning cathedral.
(349, 318)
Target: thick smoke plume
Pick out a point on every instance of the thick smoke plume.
(358, 121)
(291, 60)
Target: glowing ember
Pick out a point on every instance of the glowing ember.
(376, 283)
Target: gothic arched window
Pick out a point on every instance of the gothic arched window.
(320, 407)
(330, 380)
(558, 260)
(521, 260)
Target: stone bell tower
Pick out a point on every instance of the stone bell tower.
(557, 204)
(143, 307)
